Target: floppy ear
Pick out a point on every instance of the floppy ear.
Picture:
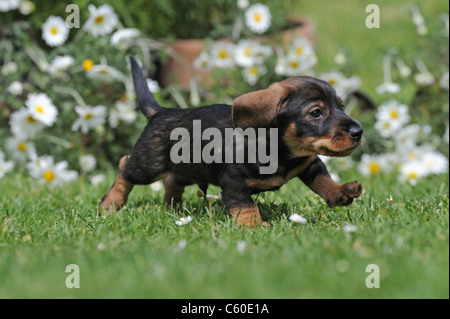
(259, 108)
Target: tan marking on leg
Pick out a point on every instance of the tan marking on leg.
(117, 195)
(173, 192)
(247, 216)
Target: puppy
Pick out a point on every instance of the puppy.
(305, 113)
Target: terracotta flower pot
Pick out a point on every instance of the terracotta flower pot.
(179, 69)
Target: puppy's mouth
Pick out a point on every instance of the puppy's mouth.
(322, 146)
(338, 153)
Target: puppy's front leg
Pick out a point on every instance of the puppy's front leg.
(316, 177)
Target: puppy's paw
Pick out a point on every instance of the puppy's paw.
(345, 194)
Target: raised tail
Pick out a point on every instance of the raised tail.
(144, 97)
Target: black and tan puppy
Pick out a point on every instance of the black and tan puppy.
(309, 120)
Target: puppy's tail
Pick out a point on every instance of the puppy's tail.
(145, 99)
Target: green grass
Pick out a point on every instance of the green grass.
(135, 252)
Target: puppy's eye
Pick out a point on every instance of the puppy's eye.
(316, 114)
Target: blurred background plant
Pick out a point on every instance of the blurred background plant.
(83, 74)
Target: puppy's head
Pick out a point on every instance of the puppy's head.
(308, 114)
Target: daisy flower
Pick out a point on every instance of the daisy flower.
(370, 165)
(241, 246)
(24, 125)
(97, 179)
(183, 221)
(222, 55)
(411, 172)
(88, 64)
(153, 86)
(46, 172)
(253, 73)
(87, 162)
(301, 47)
(60, 64)
(248, 53)
(7, 5)
(42, 108)
(296, 218)
(120, 38)
(203, 61)
(434, 162)
(55, 31)
(21, 148)
(15, 88)
(156, 186)
(391, 116)
(102, 20)
(350, 228)
(122, 112)
(424, 77)
(5, 166)
(103, 72)
(258, 18)
(9, 68)
(89, 117)
(295, 65)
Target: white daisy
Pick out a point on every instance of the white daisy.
(203, 61)
(253, 73)
(296, 218)
(222, 55)
(120, 38)
(241, 246)
(7, 5)
(46, 172)
(89, 117)
(27, 7)
(294, 65)
(9, 68)
(87, 162)
(102, 20)
(15, 88)
(156, 186)
(104, 73)
(21, 148)
(122, 111)
(60, 64)
(153, 86)
(434, 162)
(5, 166)
(391, 117)
(258, 18)
(248, 53)
(350, 228)
(371, 164)
(97, 179)
(424, 77)
(411, 172)
(301, 47)
(42, 108)
(55, 31)
(24, 125)
(183, 221)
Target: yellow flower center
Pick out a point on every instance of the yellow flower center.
(254, 70)
(374, 168)
(413, 175)
(48, 176)
(299, 50)
(88, 116)
(22, 147)
(30, 119)
(54, 30)
(294, 64)
(257, 16)
(332, 82)
(247, 51)
(88, 64)
(40, 109)
(99, 19)
(223, 54)
(394, 114)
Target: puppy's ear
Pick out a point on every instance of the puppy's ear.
(259, 108)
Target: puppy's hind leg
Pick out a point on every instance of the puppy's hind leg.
(173, 191)
(117, 195)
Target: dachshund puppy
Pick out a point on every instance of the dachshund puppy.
(305, 115)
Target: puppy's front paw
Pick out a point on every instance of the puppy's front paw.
(345, 194)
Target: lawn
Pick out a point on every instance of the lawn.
(140, 252)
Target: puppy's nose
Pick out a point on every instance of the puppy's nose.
(355, 132)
